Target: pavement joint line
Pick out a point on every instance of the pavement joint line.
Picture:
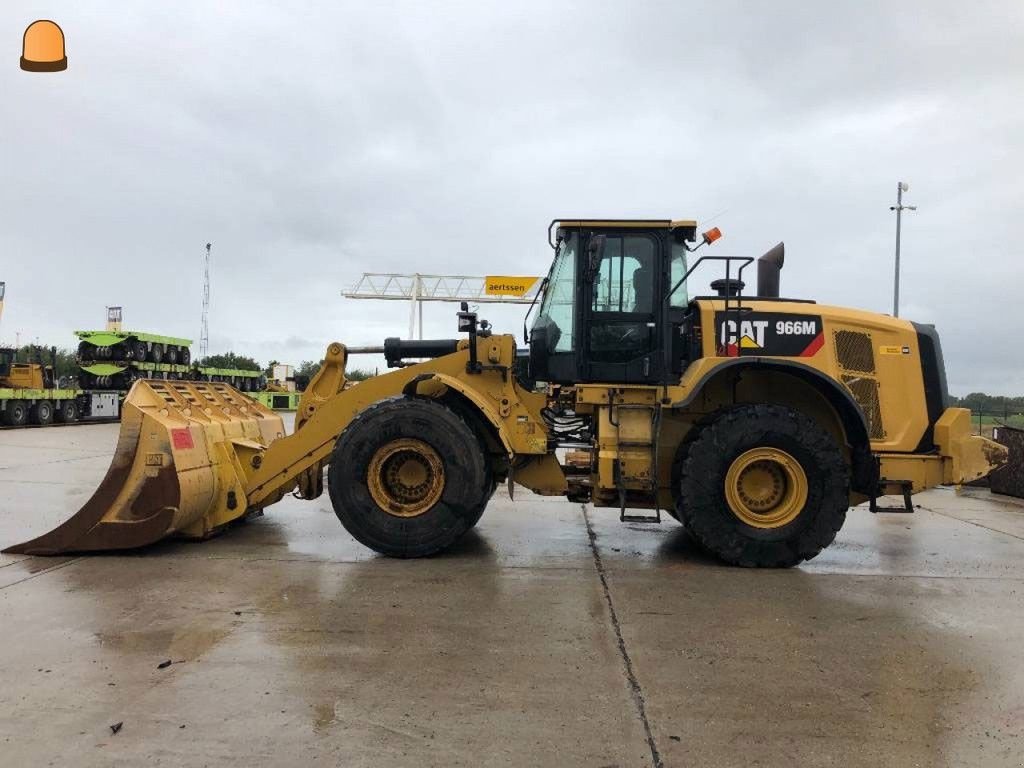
(319, 561)
(41, 573)
(6, 481)
(627, 572)
(931, 576)
(971, 522)
(56, 461)
(634, 684)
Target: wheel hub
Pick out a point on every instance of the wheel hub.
(766, 488)
(406, 477)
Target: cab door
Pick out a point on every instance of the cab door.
(621, 302)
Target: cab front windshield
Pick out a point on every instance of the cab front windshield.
(557, 308)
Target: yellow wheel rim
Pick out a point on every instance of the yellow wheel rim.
(405, 477)
(766, 488)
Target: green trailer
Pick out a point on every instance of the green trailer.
(278, 401)
(121, 375)
(20, 406)
(38, 406)
(135, 346)
(246, 381)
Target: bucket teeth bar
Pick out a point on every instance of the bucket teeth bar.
(179, 469)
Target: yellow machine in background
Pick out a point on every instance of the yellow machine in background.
(23, 375)
(755, 421)
(279, 392)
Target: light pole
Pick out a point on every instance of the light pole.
(901, 187)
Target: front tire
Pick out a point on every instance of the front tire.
(406, 477)
(763, 486)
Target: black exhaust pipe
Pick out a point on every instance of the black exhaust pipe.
(768, 268)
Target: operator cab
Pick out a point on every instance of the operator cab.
(606, 313)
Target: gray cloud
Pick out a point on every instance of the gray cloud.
(312, 141)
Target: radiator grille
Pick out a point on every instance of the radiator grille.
(865, 392)
(854, 351)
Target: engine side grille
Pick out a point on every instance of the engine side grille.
(865, 392)
(854, 351)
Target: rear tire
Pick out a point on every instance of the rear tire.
(763, 486)
(184, 356)
(140, 351)
(42, 413)
(171, 355)
(156, 354)
(677, 469)
(16, 413)
(402, 481)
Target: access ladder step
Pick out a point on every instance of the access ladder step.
(908, 506)
(655, 518)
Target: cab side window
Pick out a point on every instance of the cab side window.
(624, 281)
(623, 299)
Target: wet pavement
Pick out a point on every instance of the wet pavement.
(552, 635)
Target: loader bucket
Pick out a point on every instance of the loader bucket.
(179, 469)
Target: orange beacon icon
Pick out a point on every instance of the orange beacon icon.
(42, 48)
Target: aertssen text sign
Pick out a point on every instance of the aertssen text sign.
(504, 285)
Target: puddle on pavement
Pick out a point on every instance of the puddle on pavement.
(184, 644)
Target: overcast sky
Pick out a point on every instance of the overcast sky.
(310, 142)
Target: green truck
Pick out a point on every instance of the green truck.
(29, 395)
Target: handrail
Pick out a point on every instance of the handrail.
(747, 261)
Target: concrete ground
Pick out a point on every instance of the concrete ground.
(552, 636)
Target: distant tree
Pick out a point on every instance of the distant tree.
(305, 372)
(980, 401)
(308, 369)
(269, 370)
(230, 360)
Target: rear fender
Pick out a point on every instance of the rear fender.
(851, 417)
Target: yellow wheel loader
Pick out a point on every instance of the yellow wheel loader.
(756, 421)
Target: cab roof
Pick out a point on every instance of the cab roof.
(687, 226)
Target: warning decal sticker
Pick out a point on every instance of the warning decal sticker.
(893, 350)
(182, 438)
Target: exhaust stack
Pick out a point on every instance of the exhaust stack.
(768, 268)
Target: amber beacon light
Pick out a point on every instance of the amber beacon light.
(42, 48)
